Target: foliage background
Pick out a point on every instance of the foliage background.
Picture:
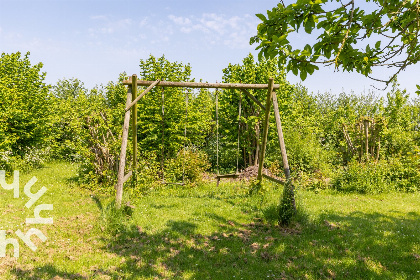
(66, 121)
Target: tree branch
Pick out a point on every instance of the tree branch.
(347, 33)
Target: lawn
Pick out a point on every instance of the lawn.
(207, 232)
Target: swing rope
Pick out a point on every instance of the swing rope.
(239, 129)
(185, 136)
(217, 131)
(163, 136)
(217, 139)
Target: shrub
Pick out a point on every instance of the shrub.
(188, 163)
(148, 171)
(383, 176)
(25, 112)
(405, 172)
(364, 177)
(305, 153)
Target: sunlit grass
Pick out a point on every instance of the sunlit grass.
(213, 233)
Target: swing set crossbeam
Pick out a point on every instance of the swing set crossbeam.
(200, 85)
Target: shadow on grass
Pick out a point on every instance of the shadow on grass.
(45, 272)
(357, 246)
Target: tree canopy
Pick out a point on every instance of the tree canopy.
(24, 107)
(350, 37)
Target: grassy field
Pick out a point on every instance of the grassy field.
(211, 233)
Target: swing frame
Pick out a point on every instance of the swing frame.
(131, 107)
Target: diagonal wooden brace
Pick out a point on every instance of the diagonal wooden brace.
(141, 95)
(120, 181)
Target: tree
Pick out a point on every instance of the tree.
(87, 126)
(350, 38)
(165, 113)
(68, 110)
(25, 115)
(167, 127)
(249, 72)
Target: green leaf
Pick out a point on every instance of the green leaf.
(305, 53)
(261, 17)
(294, 70)
(309, 25)
(303, 74)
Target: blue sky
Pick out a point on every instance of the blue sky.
(95, 40)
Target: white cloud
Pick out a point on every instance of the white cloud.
(106, 26)
(99, 17)
(180, 20)
(143, 22)
(233, 31)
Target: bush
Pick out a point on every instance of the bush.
(88, 129)
(405, 172)
(25, 112)
(305, 154)
(148, 171)
(188, 163)
(383, 176)
(365, 177)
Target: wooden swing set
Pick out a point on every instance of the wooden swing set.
(131, 107)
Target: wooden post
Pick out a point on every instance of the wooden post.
(265, 127)
(348, 140)
(120, 181)
(288, 202)
(134, 125)
(281, 138)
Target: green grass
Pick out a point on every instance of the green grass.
(213, 233)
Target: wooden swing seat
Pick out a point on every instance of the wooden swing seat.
(234, 176)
